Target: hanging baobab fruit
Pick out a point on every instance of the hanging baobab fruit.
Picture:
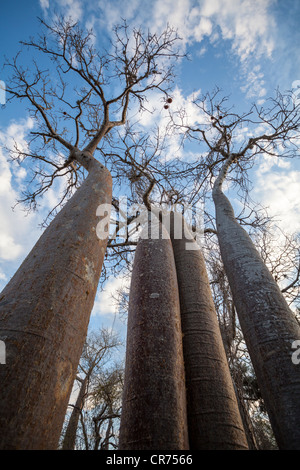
(168, 102)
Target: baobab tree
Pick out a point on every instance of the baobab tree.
(255, 419)
(154, 398)
(268, 324)
(45, 308)
(214, 420)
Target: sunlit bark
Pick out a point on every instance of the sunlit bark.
(214, 420)
(268, 324)
(154, 403)
(45, 311)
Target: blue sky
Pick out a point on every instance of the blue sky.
(246, 47)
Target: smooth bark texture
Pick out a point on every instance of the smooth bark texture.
(45, 311)
(154, 402)
(268, 324)
(214, 421)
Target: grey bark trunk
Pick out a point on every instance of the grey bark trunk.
(45, 311)
(268, 324)
(105, 445)
(154, 403)
(214, 421)
(70, 434)
(246, 420)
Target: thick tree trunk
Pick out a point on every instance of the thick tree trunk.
(268, 324)
(214, 420)
(154, 404)
(45, 311)
(70, 434)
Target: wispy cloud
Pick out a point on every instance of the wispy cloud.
(255, 85)
(248, 26)
(106, 304)
(70, 9)
(44, 4)
(277, 188)
(247, 23)
(19, 231)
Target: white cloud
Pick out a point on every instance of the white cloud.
(9, 249)
(247, 23)
(255, 83)
(106, 304)
(277, 188)
(248, 26)
(160, 116)
(18, 233)
(72, 8)
(184, 112)
(44, 4)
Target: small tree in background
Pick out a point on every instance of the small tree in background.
(96, 379)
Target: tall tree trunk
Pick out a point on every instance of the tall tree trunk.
(214, 420)
(105, 444)
(268, 324)
(154, 405)
(246, 420)
(45, 311)
(70, 434)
